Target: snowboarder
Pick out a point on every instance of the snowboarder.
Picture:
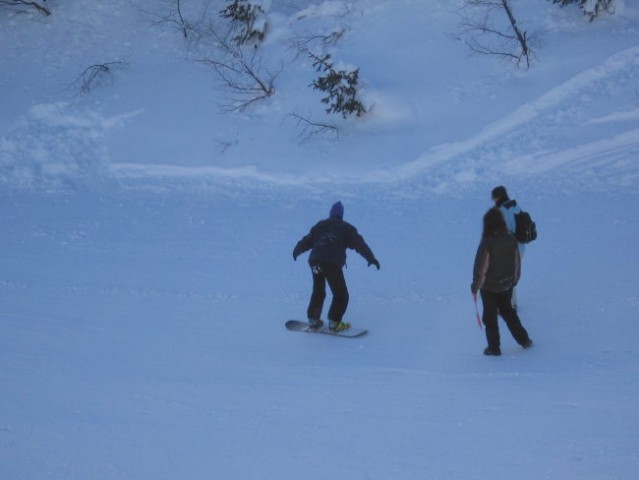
(495, 274)
(509, 208)
(328, 241)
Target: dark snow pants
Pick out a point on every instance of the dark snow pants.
(500, 303)
(324, 273)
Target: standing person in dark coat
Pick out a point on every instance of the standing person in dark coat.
(495, 274)
(328, 241)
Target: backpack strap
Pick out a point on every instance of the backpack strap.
(509, 204)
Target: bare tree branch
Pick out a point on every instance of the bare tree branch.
(240, 70)
(173, 16)
(521, 36)
(93, 75)
(41, 8)
(311, 129)
(302, 44)
(484, 38)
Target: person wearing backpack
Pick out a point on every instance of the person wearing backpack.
(510, 209)
(496, 271)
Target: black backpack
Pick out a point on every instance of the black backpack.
(525, 228)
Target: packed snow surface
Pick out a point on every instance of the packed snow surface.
(147, 269)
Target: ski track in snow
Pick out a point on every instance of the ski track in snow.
(528, 120)
(522, 120)
(536, 138)
(600, 153)
(523, 143)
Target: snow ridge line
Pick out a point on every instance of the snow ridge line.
(597, 153)
(534, 163)
(625, 59)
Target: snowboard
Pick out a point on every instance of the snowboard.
(299, 326)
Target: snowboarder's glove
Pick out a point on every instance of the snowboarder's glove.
(473, 288)
(374, 262)
(296, 253)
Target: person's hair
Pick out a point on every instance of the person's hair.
(499, 193)
(494, 223)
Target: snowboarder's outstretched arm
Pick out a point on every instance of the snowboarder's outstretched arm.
(304, 245)
(357, 243)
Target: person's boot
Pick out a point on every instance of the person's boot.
(315, 324)
(338, 326)
(492, 352)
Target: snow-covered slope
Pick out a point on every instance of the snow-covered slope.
(146, 271)
(434, 110)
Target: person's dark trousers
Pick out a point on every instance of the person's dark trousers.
(333, 275)
(501, 303)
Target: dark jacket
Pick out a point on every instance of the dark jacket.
(497, 264)
(328, 241)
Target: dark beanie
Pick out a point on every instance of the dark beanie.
(500, 193)
(337, 210)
